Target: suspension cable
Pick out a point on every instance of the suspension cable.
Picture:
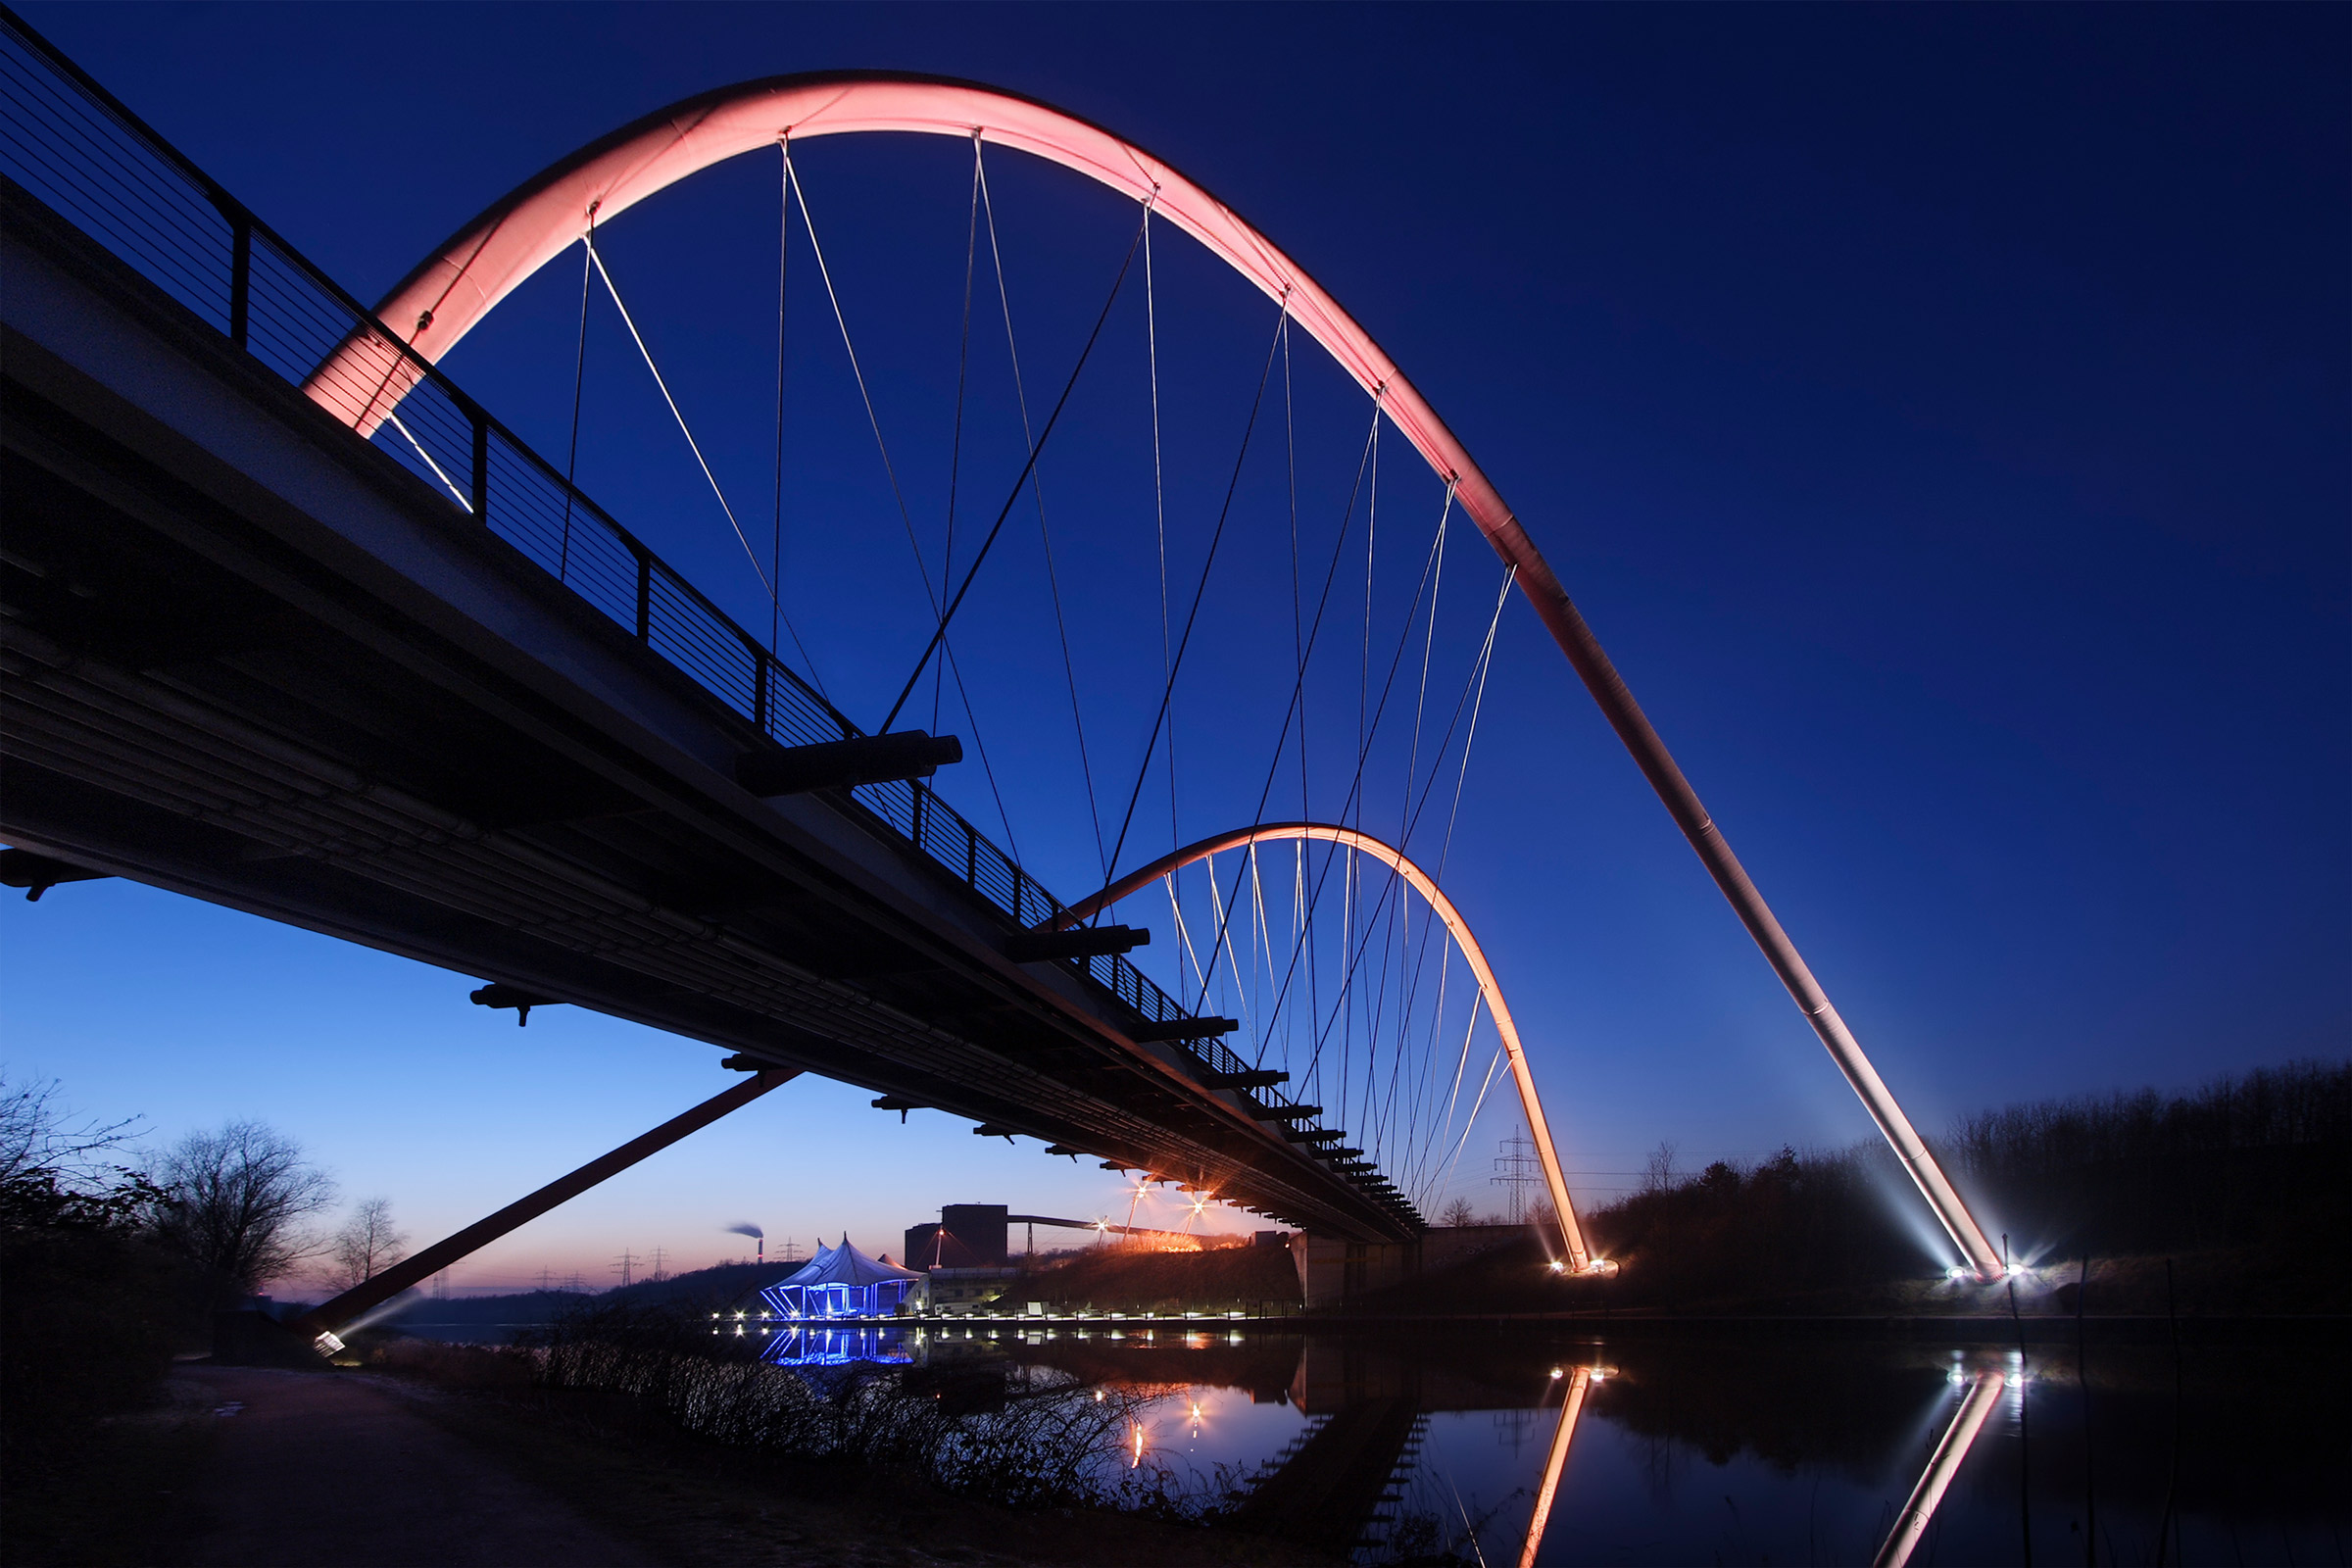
(1037, 492)
(1290, 433)
(439, 473)
(749, 552)
(980, 745)
(1160, 506)
(1428, 640)
(1454, 1160)
(799, 196)
(1304, 906)
(1184, 934)
(775, 559)
(1363, 675)
(1027, 469)
(1482, 664)
(1404, 638)
(963, 363)
(579, 379)
(1485, 667)
(890, 471)
(784, 276)
(1201, 588)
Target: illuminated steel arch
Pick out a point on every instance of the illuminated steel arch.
(1580, 1256)
(454, 287)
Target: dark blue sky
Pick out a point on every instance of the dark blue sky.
(1941, 414)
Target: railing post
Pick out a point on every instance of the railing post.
(971, 857)
(914, 813)
(240, 277)
(645, 594)
(482, 467)
(758, 686)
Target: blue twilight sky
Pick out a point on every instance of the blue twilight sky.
(1941, 415)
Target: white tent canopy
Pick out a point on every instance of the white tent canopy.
(841, 1282)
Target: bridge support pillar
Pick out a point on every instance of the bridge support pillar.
(1333, 1272)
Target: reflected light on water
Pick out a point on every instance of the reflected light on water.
(1555, 1462)
(1958, 1439)
(1307, 1431)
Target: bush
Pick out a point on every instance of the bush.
(90, 1314)
(1015, 1437)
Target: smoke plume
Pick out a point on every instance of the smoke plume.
(744, 1228)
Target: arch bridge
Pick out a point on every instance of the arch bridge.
(298, 627)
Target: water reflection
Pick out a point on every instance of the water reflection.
(1572, 1405)
(1920, 1507)
(819, 1344)
(1490, 1447)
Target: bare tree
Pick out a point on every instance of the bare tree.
(365, 1245)
(1657, 1172)
(238, 1199)
(1458, 1213)
(38, 1135)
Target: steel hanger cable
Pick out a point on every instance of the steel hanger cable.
(579, 379)
(749, 554)
(963, 363)
(1302, 906)
(1159, 504)
(799, 196)
(1193, 616)
(1403, 640)
(775, 560)
(1037, 493)
(1480, 663)
(1015, 495)
(439, 473)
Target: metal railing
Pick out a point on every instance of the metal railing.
(73, 146)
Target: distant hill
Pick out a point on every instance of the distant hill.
(722, 1287)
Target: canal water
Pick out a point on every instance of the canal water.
(1513, 1448)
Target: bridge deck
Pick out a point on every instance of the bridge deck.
(250, 658)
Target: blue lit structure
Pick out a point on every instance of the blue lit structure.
(841, 1282)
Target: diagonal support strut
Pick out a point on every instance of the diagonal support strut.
(355, 1303)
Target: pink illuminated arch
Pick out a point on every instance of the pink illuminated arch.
(1580, 1256)
(365, 378)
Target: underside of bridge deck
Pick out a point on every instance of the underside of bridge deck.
(248, 657)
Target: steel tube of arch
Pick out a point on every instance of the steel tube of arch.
(1572, 1235)
(452, 289)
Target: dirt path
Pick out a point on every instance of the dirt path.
(319, 1468)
